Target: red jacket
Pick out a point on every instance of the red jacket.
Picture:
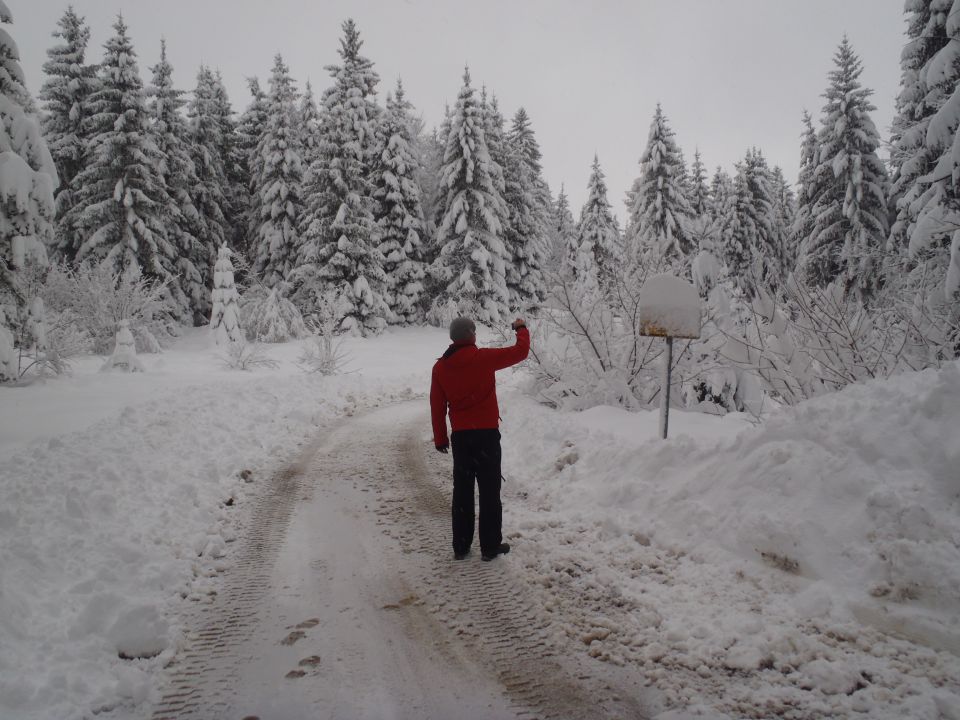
(464, 382)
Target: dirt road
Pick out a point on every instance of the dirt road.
(344, 601)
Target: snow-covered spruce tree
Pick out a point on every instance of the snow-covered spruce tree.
(471, 263)
(237, 188)
(850, 210)
(784, 212)
(276, 179)
(398, 213)
(340, 252)
(118, 210)
(698, 191)
(911, 158)
(28, 178)
(659, 210)
(65, 95)
(597, 232)
(495, 134)
(527, 200)
(807, 191)
(250, 129)
(309, 122)
(935, 239)
(750, 247)
(721, 192)
(177, 211)
(225, 317)
(563, 235)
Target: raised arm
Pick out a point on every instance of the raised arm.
(502, 358)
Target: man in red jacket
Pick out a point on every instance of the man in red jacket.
(464, 382)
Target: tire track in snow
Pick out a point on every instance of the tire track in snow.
(201, 674)
(489, 604)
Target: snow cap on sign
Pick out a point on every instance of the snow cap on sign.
(669, 307)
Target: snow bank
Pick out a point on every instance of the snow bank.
(128, 505)
(813, 560)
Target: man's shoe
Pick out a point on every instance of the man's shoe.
(501, 549)
(460, 555)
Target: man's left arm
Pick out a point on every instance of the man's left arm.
(438, 413)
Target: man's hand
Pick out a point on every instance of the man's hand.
(518, 323)
(443, 448)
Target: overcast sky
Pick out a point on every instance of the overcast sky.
(730, 74)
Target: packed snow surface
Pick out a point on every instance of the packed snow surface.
(803, 567)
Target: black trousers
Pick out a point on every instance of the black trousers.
(476, 459)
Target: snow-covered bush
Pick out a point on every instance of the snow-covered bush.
(98, 299)
(243, 355)
(124, 355)
(323, 352)
(225, 316)
(268, 316)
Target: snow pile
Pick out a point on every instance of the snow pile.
(808, 566)
(105, 528)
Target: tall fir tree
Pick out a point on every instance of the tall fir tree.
(28, 178)
(850, 223)
(911, 158)
(276, 179)
(209, 192)
(934, 241)
(236, 190)
(250, 129)
(527, 200)
(807, 191)
(750, 246)
(177, 211)
(340, 251)
(563, 235)
(118, 214)
(721, 192)
(65, 95)
(659, 210)
(309, 119)
(698, 190)
(784, 202)
(398, 212)
(471, 264)
(597, 234)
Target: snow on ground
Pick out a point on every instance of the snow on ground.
(805, 568)
(756, 571)
(116, 497)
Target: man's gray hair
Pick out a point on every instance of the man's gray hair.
(462, 329)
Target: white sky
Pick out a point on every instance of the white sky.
(730, 74)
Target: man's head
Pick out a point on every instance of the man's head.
(463, 330)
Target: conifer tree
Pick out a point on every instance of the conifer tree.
(911, 158)
(471, 263)
(65, 95)
(659, 208)
(750, 247)
(309, 119)
(340, 250)
(28, 177)
(850, 210)
(784, 206)
(236, 191)
(250, 129)
(597, 234)
(398, 213)
(935, 238)
(564, 235)
(117, 215)
(177, 211)
(807, 191)
(225, 316)
(525, 232)
(276, 180)
(209, 191)
(698, 190)
(721, 192)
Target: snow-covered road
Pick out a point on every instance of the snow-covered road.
(343, 601)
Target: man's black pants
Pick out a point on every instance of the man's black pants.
(476, 458)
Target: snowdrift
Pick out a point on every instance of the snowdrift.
(857, 492)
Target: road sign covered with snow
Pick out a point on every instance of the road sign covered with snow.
(669, 307)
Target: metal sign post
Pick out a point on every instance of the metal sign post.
(669, 308)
